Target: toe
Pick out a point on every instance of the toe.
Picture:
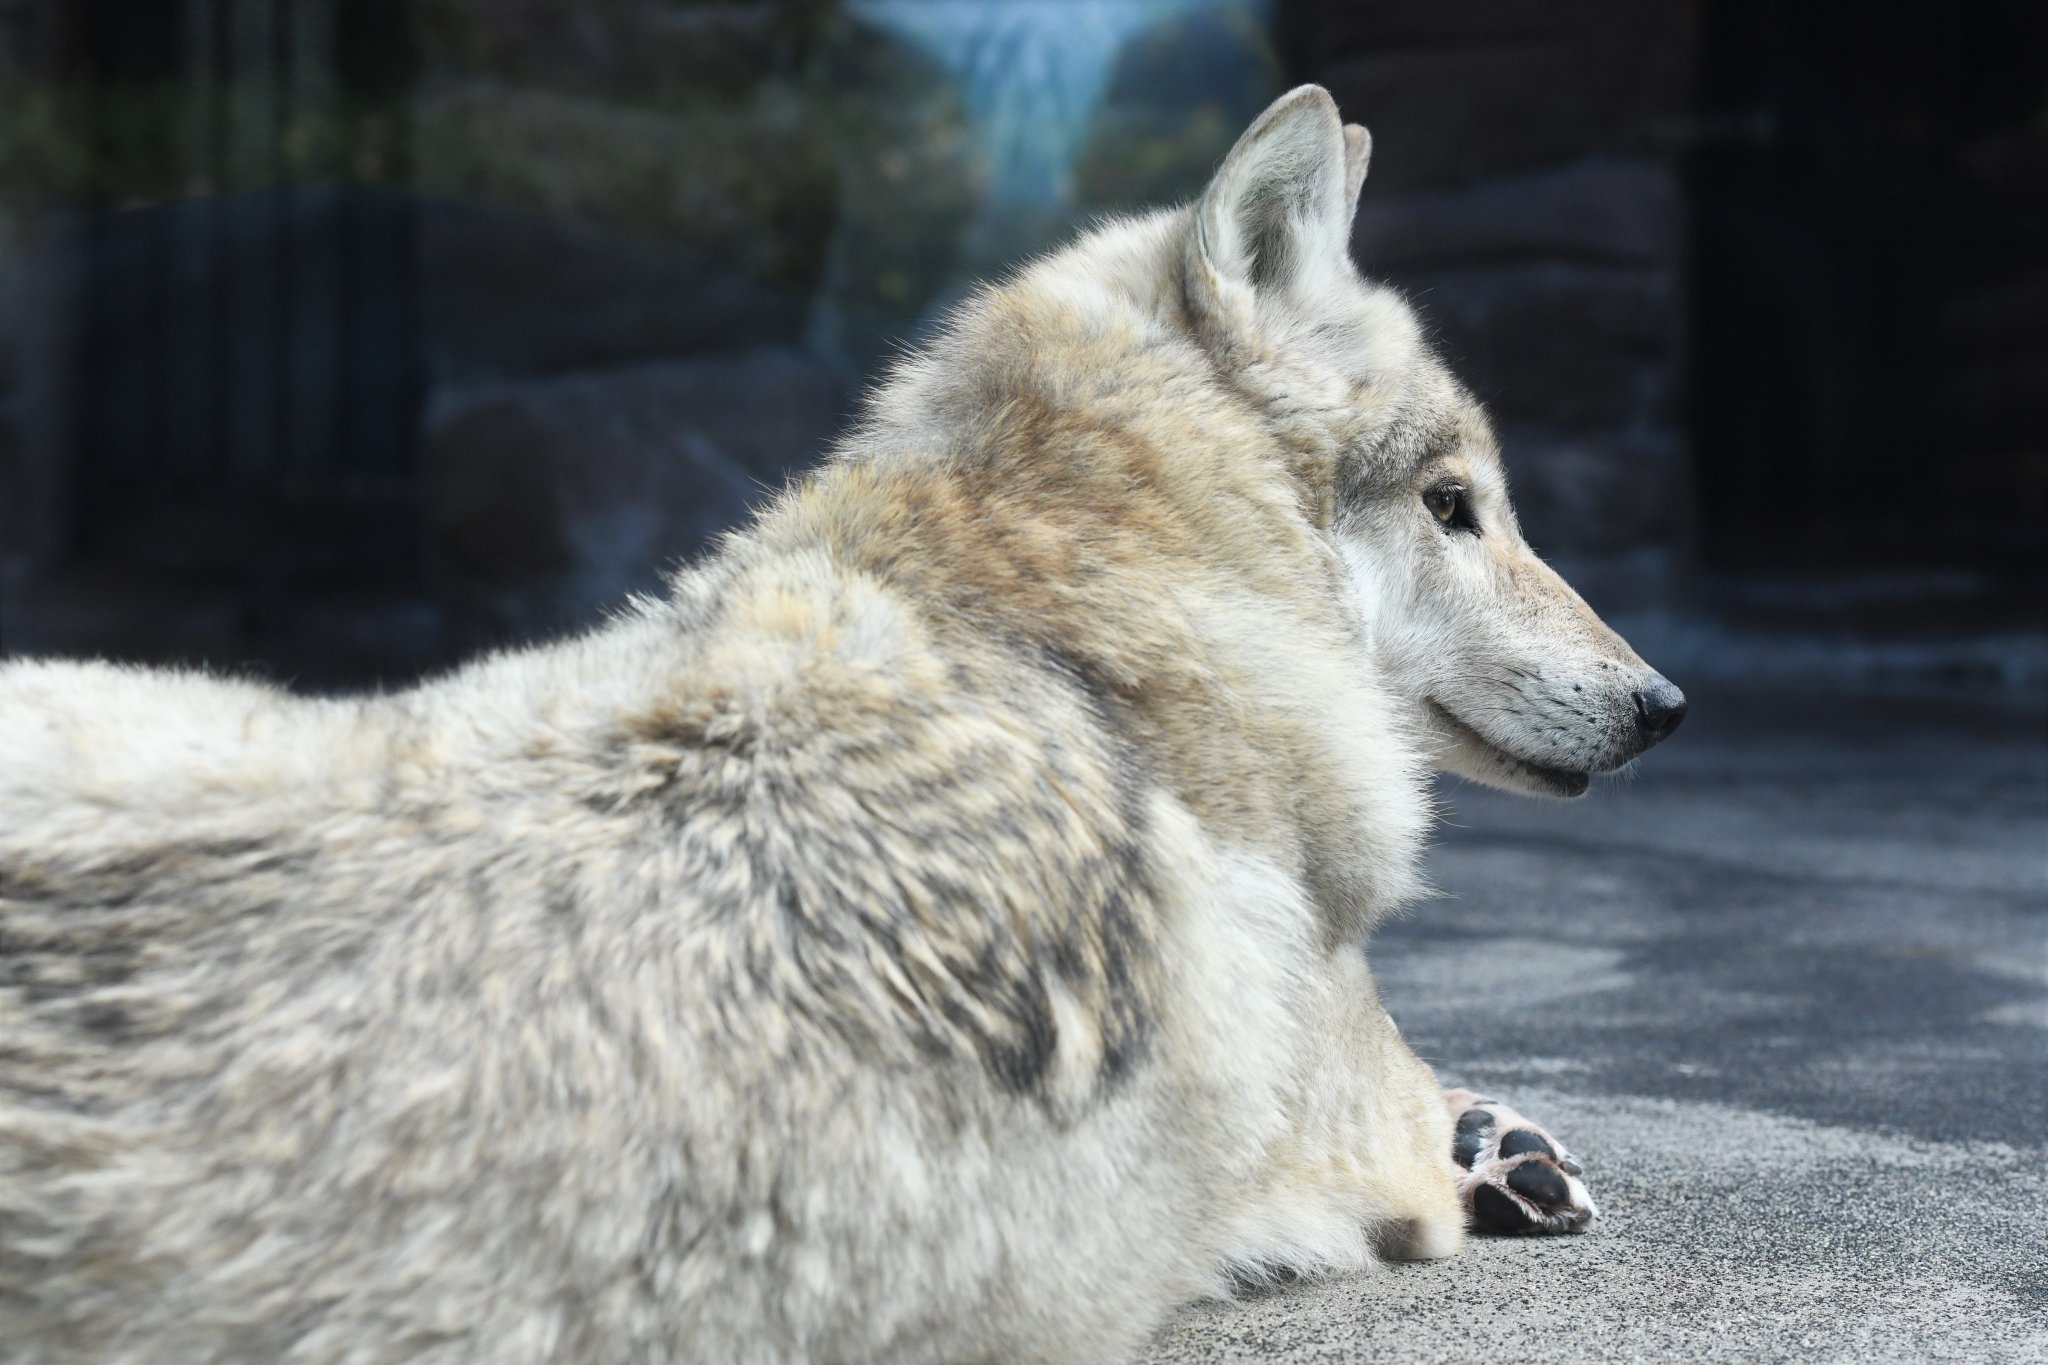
(1542, 1184)
(1500, 1212)
(1474, 1131)
(1525, 1140)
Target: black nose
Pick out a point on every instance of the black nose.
(1659, 709)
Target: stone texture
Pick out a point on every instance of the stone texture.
(748, 184)
(1454, 93)
(29, 508)
(36, 338)
(1577, 346)
(30, 53)
(509, 292)
(17, 502)
(1605, 211)
(554, 498)
(677, 51)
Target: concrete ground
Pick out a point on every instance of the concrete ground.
(1785, 992)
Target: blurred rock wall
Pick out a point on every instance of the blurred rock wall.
(659, 246)
(666, 243)
(32, 333)
(624, 209)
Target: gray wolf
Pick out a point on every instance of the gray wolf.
(930, 932)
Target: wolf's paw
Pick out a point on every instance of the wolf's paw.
(1520, 1178)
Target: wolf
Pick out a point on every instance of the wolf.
(932, 931)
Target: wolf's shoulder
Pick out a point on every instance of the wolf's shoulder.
(903, 832)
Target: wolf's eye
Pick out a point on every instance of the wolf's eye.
(1447, 503)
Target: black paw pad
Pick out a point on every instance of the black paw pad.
(1499, 1212)
(1541, 1183)
(1475, 1126)
(1526, 1140)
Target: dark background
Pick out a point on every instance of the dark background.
(339, 338)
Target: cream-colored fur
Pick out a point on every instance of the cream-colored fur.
(930, 933)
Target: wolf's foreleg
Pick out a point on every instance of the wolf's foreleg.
(1363, 1169)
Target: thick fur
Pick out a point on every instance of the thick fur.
(930, 933)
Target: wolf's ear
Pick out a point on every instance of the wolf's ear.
(1280, 205)
(1357, 153)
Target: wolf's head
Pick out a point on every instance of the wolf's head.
(1524, 687)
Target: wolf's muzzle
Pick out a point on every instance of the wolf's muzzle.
(1659, 709)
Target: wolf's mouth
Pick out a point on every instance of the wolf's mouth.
(1511, 769)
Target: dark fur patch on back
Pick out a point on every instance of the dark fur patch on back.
(915, 880)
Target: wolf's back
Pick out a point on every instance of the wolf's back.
(496, 1015)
